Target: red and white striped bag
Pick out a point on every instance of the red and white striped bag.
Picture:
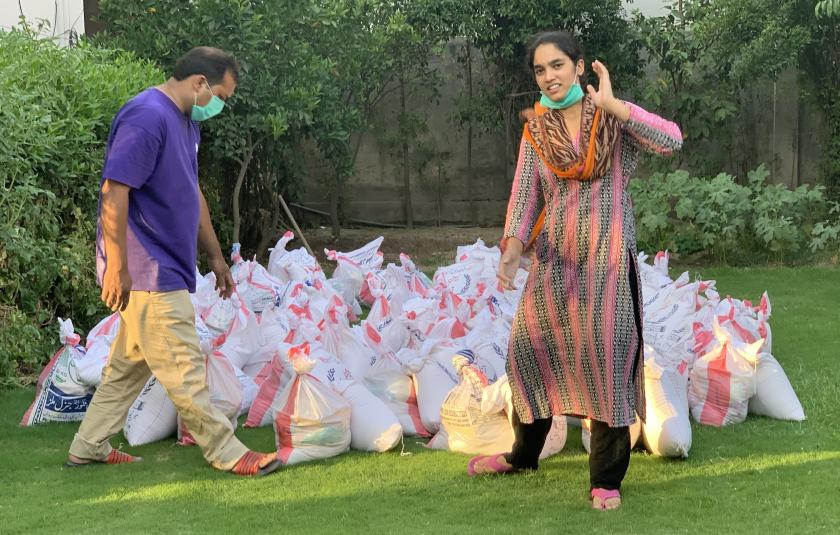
(313, 421)
(723, 380)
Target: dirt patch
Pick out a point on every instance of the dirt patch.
(429, 247)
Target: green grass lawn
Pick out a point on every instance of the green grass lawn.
(762, 476)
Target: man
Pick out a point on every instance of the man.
(151, 215)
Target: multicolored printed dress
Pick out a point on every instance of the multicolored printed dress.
(575, 346)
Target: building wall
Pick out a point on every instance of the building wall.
(65, 17)
(783, 133)
(375, 190)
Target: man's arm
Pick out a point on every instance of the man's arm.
(209, 243)
(116, 282)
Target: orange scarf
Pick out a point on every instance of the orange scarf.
(551, 140)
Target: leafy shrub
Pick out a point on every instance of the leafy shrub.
(736, 223)
(56, 105)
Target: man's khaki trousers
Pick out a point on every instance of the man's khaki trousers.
(157, 336)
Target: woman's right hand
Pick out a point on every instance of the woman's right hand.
(509, 263)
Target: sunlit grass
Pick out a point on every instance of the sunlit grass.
(762, 476)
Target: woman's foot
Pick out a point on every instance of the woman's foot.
(604, 500)
(489, 464)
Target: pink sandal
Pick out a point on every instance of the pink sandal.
(492, 464)
(604, 495)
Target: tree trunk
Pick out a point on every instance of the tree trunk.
(270, 230)
(470, 177)
(240, 179)
(334, 202)
(409, 213)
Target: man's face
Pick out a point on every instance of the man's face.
(206, 91)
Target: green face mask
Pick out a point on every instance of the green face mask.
(573, 96)
(211, 109)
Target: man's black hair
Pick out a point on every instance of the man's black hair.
(208, 61)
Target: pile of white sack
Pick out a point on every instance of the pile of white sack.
(288, 350)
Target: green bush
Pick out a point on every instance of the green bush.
(56, 105)
(735, 223)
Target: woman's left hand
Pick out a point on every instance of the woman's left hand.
(603, 97)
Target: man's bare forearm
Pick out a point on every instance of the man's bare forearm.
(114, 220)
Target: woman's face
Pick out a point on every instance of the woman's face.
(554, 71)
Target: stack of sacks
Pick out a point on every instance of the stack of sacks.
(372, 425)
(349, 276)
(468, 429)
(723, 348)
(667, 430)
(391, 382)
(60, 395)
(312, 421)
(737, 329)
(723, 380)
(477, 416)
(255, 286)
(338, 339)
(151, 417)
(384, 333)
(669, 308)
(293, 266)
(774, 396)
(498, 397)
(97, 349)
(433, 377)
(394, 370)
(226, 393)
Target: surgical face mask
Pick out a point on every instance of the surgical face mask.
(573, 96)
(211, 109)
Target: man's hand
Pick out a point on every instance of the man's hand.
(116, 282)
(116, 288)
(509, 263)
(224, 280)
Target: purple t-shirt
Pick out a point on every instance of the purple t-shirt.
(153, 149)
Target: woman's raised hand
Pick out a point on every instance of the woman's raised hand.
(604, 95)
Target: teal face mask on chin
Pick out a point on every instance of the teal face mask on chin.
(211, 109)
(573, 96)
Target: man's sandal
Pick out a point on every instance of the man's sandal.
(255, 464)
(600, 497)
(488, 464)
(115, 457)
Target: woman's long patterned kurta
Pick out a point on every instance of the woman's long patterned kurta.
(574, 346)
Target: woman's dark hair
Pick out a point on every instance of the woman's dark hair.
(561, 39)
(207, 61)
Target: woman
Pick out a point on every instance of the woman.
(575, 343)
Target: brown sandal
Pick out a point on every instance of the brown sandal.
(115, 457)
(250, 464)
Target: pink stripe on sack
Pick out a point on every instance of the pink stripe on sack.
(267, 392)
(372, 335)
(716, 404)
(414, 413)
(283, 424)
